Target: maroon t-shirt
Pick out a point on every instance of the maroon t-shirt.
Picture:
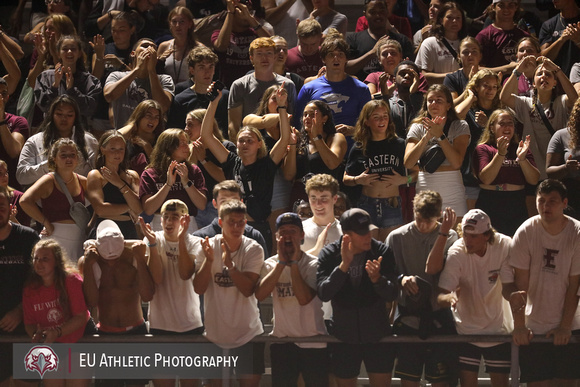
(305, 66)
(235, 62)
(16, 124)
(150, 183)
(510, 171)
(499, 47)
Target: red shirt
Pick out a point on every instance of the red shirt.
(41, 306)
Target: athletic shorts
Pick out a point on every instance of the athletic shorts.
(346, 359)
(497, 359)
(546, 361)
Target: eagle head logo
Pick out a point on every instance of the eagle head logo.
(41, 359)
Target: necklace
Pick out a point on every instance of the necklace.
(70, 180)
(177, 71)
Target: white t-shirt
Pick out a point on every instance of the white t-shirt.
(175, 306)
(231, 319)
(551, 260)
(480, 301)
(290, 318)
(434, 57)
(312, 231)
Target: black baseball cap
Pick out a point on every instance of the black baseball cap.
(288, 218)
(356, 220)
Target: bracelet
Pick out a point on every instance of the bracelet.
(501, 154)
(126, 191)
(256, 28)
(152, 244)
(281, 107)
(3, 122)
(516, 73)
(443, 234)
(123, 186)
(409, 179)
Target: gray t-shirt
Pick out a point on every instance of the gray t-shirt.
(248, 91)
(456, 129)
(138, 91)
(411, 249)
(560, 143)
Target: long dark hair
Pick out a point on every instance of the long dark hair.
(438, 31)
(327, 128)
(574, 126)
(62, 269)
(50, 132)
(82, 56)
(166, 144)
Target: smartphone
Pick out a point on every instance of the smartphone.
(217, 86)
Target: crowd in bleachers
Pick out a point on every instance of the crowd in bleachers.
(238, 149)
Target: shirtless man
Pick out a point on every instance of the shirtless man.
(116, 280)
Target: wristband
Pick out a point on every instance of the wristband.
(152, 244)
(516, 73)
(501, 154)
(409, 179)
(281, 107)
(443, 234)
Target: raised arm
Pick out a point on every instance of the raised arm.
(202, 277)
(154, 262)
(510, 88)
(279, 149)
(463, 107)
(564, 81)
(13, 71)
(145, 281)
(223, 40)
(207, 137)
(436, 257)
(185, 261)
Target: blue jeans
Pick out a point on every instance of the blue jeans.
(384, 212)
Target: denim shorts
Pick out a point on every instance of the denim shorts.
(384, 212)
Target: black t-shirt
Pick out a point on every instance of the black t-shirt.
(382, 157)
(189, 100)
(551, 31)
(201, 8)
(256, 181)
(456, 81)
(15, 264)
(361, 42)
